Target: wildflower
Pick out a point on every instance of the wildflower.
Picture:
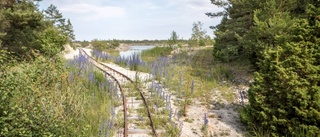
(205, 119)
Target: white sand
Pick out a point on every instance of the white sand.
(69, 53)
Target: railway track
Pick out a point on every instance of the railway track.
(114, 75)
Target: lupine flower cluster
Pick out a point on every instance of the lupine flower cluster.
(81, 66)
(84, 68)
(192, 86)
(101, 55)
(170, 115)
(105, 130)
(205, 120)
(132, 61)
(159, 68)
(167, 101)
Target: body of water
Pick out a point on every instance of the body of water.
(134, 49)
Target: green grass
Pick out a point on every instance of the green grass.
(154, 53)
(113, 52)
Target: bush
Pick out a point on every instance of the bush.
(285, 95)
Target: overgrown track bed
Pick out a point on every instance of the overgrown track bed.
(107, 71)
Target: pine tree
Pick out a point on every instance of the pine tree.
(285, 96)
(24, 31)
(234, 35)
(69, 31)
(237, 20)
(21, 23)
(53, 15)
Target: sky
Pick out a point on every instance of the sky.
(134, 19)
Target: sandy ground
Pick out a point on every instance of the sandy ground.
(69, 53)
(221, 121)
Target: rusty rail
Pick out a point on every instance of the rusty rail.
(123, 96)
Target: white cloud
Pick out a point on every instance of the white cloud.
(93, 12)
(134, 19)
(196, 5)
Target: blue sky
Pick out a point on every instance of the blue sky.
(134, 19)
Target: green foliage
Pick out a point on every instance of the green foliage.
(51, 42)
(99, 44)
(235, 37)
(285, 96)
(237, 21)
(43, 98)
(22, 111)
(198, 36)
(154, 53)
(281, 39)
(23, 30)
(56, 19)
(38, 98)
(21, 25)
(103, 45)
(173, 39)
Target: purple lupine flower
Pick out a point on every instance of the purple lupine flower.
(101, 55)
(167, 98)
(110, 124)
(242, 102)
(152, 85)
(163, 94)
(91, 77)
(113, 112)
(205, 119)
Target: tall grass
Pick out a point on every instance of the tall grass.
(154, 53)
(100, 97)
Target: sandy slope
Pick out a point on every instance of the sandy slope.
(70, 53)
